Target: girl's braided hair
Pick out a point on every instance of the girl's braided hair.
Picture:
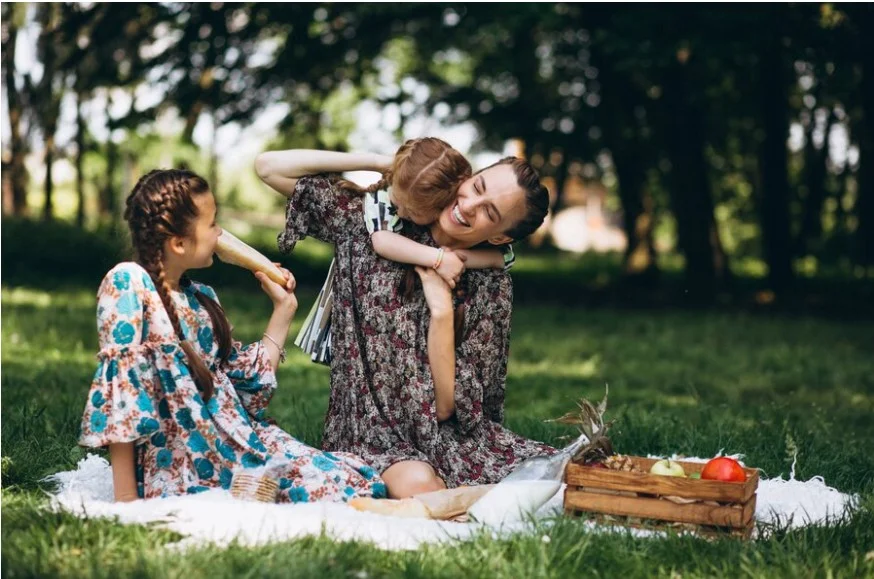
(160, 206)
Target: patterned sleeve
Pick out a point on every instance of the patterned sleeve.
(380, 214)
(481, 360)
(120, 404)
(249, 370)
(320, 209)
(509, 256)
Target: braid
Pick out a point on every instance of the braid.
(383, 183)
(158, 276)
(161, 206)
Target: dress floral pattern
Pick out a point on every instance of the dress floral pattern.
(380, 214)
(142, 392)
(382, 404)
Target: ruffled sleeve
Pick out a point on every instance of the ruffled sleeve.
(481, 360)
(319, 209)
(249, 370)
(120, 405)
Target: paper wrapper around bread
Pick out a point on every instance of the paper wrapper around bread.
(231, 250)
(440, 505)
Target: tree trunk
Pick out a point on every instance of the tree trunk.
(560, 183)
(15, 182)
(48, 207)
(637, 208)
(815, 173)
(622, 135)
(108, 193)
(213, 160)
(865, 204)
(774, 197)
(691, 198)
(80, 153)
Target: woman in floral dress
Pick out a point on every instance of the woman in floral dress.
(388, 377)
(178, 402)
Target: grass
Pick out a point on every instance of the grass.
(680, 381)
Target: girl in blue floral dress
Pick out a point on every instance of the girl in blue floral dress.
(179, 403)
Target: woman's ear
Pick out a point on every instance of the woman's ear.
(500, 239)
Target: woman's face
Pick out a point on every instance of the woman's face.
(488, 204)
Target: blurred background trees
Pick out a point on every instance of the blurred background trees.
(727, 142)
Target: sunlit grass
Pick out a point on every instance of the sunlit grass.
(685, 382)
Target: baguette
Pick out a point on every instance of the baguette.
(439, 505)
(231, 250)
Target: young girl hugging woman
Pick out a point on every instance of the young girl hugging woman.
(422, 180)
(177, 400)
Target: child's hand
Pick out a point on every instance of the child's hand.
(451, 267)
(281, 296)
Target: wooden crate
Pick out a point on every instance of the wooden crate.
(656, 500)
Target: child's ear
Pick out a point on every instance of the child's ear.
(500, 239)
(177, 245)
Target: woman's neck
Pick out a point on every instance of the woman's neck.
(443, 239)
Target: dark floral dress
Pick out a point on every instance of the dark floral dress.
(382, 404)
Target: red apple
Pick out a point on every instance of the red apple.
(723, 469)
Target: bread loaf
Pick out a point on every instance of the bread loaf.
(440, 505)
(231, 250)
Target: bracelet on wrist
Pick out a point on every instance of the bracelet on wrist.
(440, 253)
(282, 351)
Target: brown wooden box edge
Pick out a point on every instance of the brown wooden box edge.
(723, 505)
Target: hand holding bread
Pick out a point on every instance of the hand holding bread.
(232, 250)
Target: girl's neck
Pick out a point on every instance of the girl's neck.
(172, 274)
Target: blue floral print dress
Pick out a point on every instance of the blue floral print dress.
(143, 392)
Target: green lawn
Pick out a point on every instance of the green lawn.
(686, 382)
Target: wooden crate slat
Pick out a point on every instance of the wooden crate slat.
(577, 475)
(737, 516)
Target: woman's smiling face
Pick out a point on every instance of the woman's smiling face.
(488, 204)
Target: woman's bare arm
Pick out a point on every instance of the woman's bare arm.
(281, 169)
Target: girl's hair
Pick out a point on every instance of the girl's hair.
(428, 170)
(161, 206)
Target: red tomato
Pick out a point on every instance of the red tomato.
(724, 469)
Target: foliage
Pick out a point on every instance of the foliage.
(683, 113)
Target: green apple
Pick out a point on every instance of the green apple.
(667, 467)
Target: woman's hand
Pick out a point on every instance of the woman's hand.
(283, 297)
(438, 294)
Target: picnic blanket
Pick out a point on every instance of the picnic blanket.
(215, 517)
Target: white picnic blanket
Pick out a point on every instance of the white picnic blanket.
(214, 517)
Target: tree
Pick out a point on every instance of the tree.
(15, 173)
